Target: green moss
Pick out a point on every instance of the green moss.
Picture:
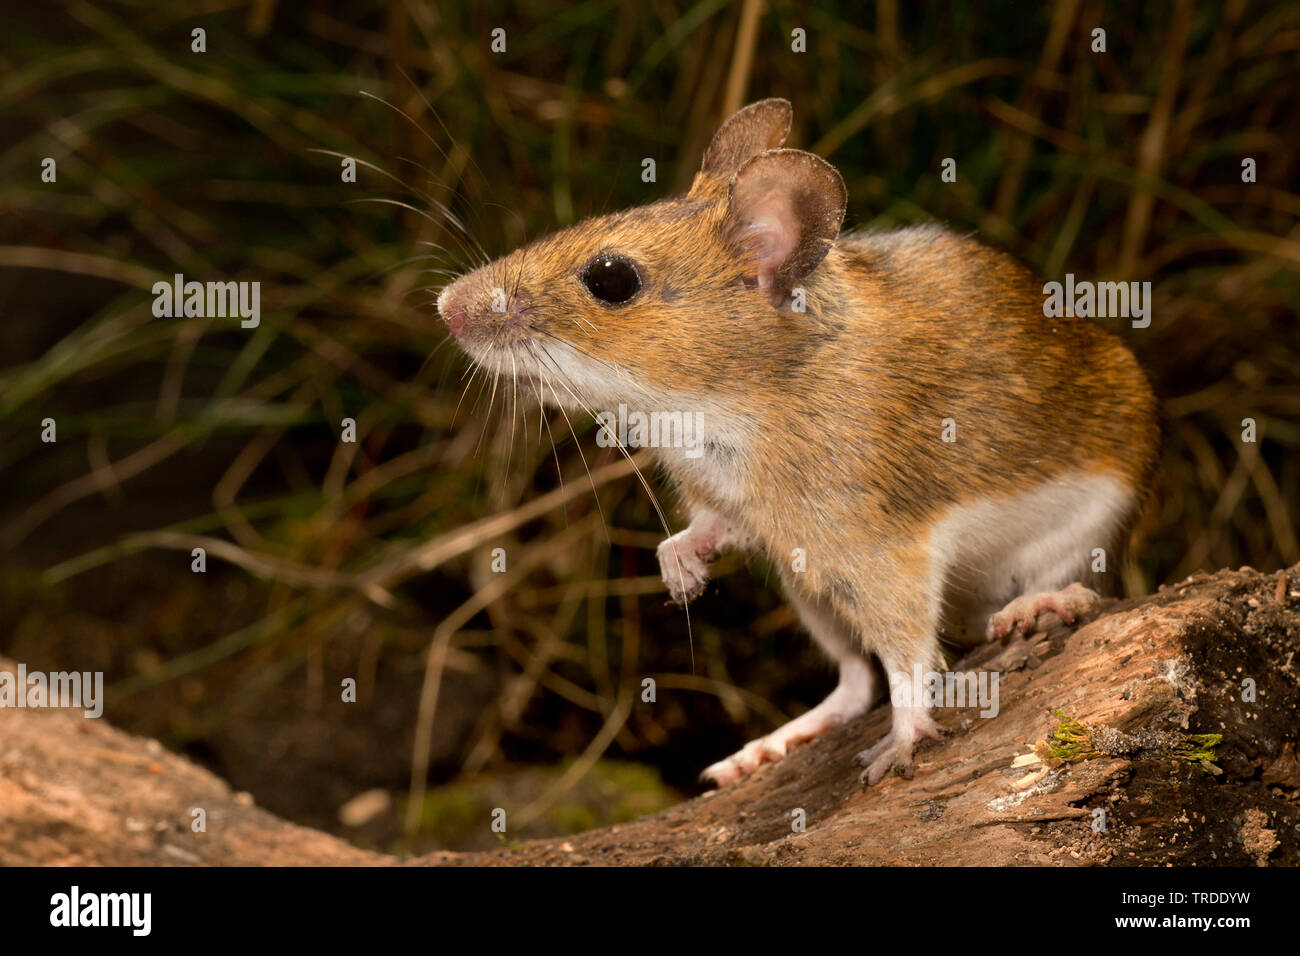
(1070, 739)
(447, 812)
(457, 815)
(1199, 748)
(573, 818)
(514, 846)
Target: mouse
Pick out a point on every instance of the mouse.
(889, 417)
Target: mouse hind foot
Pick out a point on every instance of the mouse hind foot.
(1022, 614)
(894, 750)
(1011, 558)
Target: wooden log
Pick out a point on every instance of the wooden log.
(1141, 683)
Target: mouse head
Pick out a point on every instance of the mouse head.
(687, 296)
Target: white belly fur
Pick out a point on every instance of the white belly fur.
(995, 549)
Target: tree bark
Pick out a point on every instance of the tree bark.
(1138, 684)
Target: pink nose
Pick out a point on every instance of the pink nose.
(453, 313)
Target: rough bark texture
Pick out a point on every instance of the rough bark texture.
(1140, 675)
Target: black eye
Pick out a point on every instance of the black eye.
(611, 279)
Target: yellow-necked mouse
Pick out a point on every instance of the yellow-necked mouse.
(889, 417)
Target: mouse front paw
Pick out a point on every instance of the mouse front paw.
(685, 571)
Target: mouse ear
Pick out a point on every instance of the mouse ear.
(751, 130)
(785, 210)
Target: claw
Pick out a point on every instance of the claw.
(684, 569)
(1021, 615)
(894, 750)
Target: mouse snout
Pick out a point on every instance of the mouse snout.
(451, 307)
(473, 312)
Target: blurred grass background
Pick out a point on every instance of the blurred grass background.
(371, 560)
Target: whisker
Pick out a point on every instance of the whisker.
(654, 500)
(604, 523)
(436, 145)
(472, 371)
(447, 214)
(419, 212)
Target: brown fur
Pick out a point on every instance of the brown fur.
(844, 401)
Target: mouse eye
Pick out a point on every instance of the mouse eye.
(611, 279)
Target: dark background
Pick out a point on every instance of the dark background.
(1123, 165)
